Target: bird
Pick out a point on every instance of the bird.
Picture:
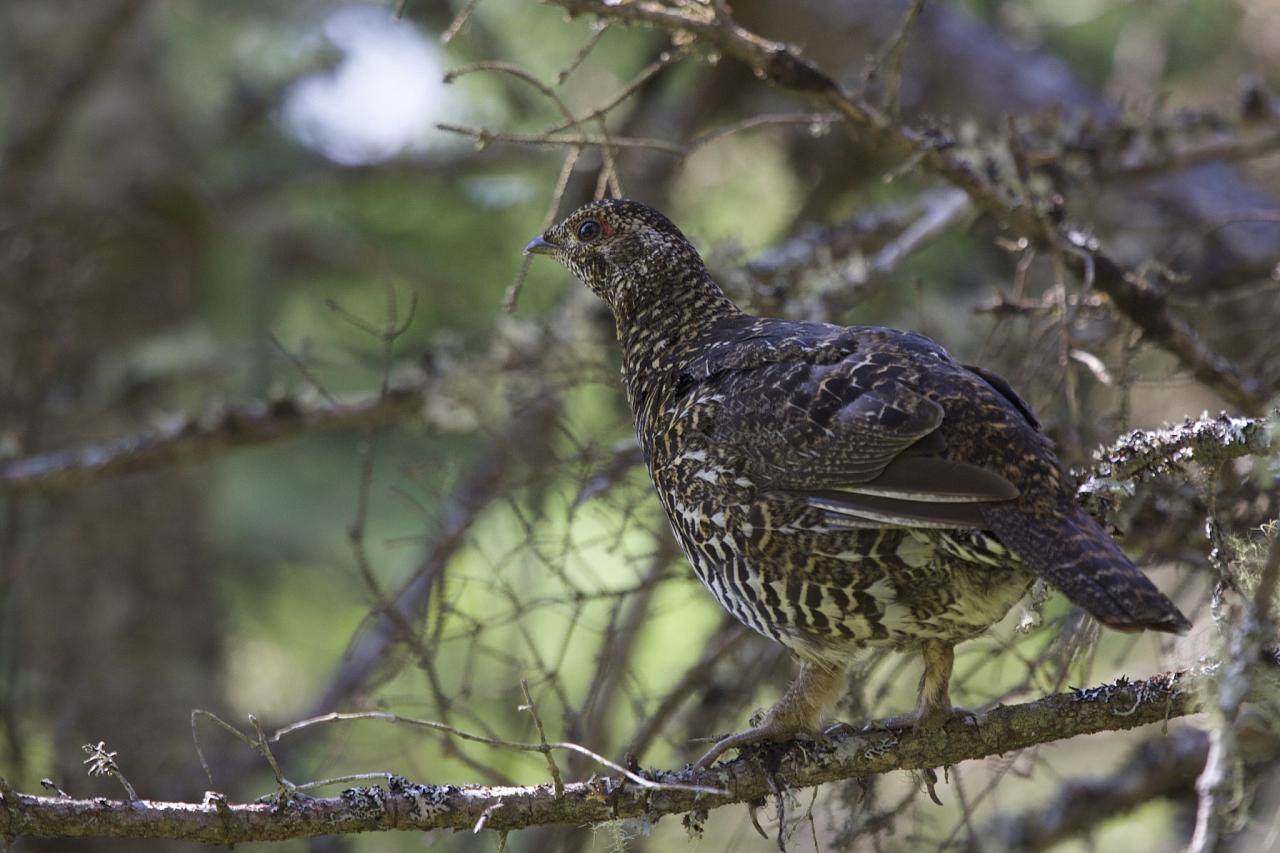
(838, 487)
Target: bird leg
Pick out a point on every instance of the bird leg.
(798, 711)
(934, 706)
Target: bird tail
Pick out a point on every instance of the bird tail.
(1079, 558)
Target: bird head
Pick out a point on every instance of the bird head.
(620, 248)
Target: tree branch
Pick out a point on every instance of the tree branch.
(753, 776)
(1208, 441)
(192, 436)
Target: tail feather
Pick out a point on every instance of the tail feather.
(1079, 558)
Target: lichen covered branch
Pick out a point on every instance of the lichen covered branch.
(755, 775)
(1207, 441)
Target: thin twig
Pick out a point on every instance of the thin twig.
(598, 29)
(556, 781)
(458, 22)
(891, 58)
(495, 742)
(483, 136)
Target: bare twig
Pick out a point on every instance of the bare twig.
(453, 731)
(694, 679)
(891, 57)
(817, 247)
(459, 21)
(667, 57)
(597, 32)
(1223, 148)
(483, 136)
(940, 211)
(477, 488)
(512, 294)
(366, 450)
(557, 782)
(819, 122)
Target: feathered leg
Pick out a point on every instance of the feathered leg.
(933, 708)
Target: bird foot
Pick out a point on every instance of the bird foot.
(767, 730)
(796, 714)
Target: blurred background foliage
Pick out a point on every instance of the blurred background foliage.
(188, 189)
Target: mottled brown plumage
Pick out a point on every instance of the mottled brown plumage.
(836, 487)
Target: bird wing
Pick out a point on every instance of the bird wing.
(838, 422)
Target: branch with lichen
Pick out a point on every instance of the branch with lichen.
(1142, 454)
(755, 775)
(1206, 441)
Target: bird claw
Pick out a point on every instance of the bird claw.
(931, 779)
(754, 811)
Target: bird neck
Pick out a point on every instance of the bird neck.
(659, 326)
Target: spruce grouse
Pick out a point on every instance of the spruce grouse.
(838, 487)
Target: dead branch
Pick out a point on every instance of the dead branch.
(753, 776)
(617, 648)
(478, 487)
(959, 67)
(187, 437)
(891, 232)
(484, 136)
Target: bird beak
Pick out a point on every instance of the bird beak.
(541, 246)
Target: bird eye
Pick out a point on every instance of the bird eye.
(588, 230)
